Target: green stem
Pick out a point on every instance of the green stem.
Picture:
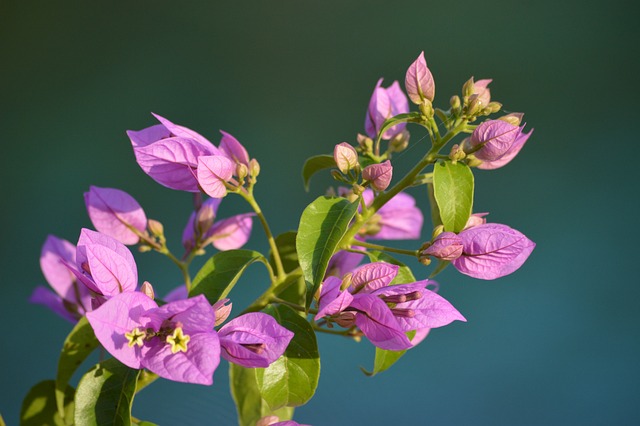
(293, 305)
(384, 248)
(248, 196)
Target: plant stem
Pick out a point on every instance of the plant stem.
(389, 249)
(248, 196)
(293, 305)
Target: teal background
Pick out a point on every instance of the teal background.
(556, 342)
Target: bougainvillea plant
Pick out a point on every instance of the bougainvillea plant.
(332, 275)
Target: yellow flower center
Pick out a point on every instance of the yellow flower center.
(178, 340)
(135, 337)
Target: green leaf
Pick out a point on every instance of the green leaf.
(400, 118)
(76, 348)
(105, 395)
(385, 359)
(322, 225)
(314, 165)
(404, 272)
(293, 288)
(221, 273)
(453, 191)
(292, 379)
(249, 403)
(286, 244)
(39, 406)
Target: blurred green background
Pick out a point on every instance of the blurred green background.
(557, 342)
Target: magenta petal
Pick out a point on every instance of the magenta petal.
(144, 137)
(196, 365)
(55, 272)
(117, 316)
(213, 172)
(111, 272)
(178, 293)
(373, 276)
(113, 212)
(484, 93)
(378, 111)
(231, 233)
(189, 232)
(497, 136)
(400, 219)
(43, 296)
(254, 340)
(492, 251)
(430, 311)
(419, 80)
(399, 105)
(184, 132)
(378, 323)
(342, 262)
(379, 175)
(171, 162)
(332, 300)
(509, 155)
(195, 314)
(233, 149)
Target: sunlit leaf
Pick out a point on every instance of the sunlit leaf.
(105, 395)
(322, 225)
(292, 379)
(221, 272)
(453, 191)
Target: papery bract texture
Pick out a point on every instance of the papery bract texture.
(254, 340)
(509, 155)
(114, 212)
(233, 149)
(379, 175)
(419, 81)
(104, 264)
(482, 91)
(116, 317)
(384, 104)
(345, 156)
(497, 138)
(446, 246)
(492, 251)
(213, 172)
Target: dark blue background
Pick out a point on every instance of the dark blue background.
(554, 343)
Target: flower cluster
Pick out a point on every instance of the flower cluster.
(384, 313)
(177, 341)
(183, 336)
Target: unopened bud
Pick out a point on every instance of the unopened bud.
(474, 106)
(515, 118)
(143, 248)
(456, 153)
(241, 171)
(346, 281)
(378, 175)
(446, 246)
(204, 218)
(426, 108)
(147, 289)
(400, 142)
(455, 102)
(222, 310)
(365, 142)
(472, 161)
(468, 88)
(254, 168)
(494, 107)
(156, 228)
(357, 190)
(346, 157)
